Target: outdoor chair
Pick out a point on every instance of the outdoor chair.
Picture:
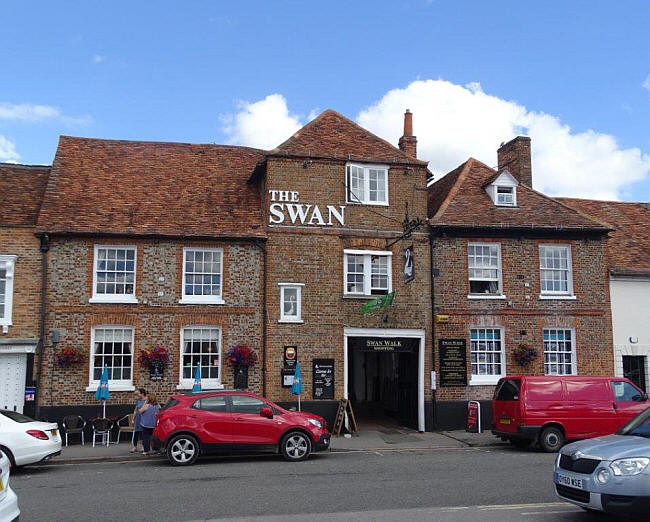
(125, 424)
(74, 424)
(102, 428)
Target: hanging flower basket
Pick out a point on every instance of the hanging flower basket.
(524, 354)
(242, 358)
(156, 356)
(69, 356)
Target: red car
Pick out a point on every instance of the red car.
(228, 421)
(552, 410)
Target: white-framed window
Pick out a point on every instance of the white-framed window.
(7, 264)
(367, 184)
(202, 275)
(200, 344)
(559, 351)
(291, 302)
(484, 268)
(367, 272)
(112, 345)
(506, 196)
(114, 274)
(555, 270)
(487, 355)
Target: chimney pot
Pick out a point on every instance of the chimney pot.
(408, 143)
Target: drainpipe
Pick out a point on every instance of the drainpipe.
(40, 349)
(433, 322)
(262, 247)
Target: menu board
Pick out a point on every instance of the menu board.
(323, 378)
(453, 362)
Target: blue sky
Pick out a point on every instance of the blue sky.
(188, 71)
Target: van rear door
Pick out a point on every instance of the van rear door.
(505, 406)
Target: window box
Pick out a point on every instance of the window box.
(367, 273)
(366, 184)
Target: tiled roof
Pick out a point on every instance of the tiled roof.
(151, 188)
(21, 192)
(628, 247)
(459, 200)
(332, 135)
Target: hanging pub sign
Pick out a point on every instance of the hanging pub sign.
(290, 357)
(323, 378)
(453, 362)
(156, 372)
(409, 265)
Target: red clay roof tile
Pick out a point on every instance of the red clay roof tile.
(21, 192)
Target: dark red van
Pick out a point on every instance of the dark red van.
(552, 410)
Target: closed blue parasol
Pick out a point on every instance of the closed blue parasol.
(102, 393)
(296, 388)
(197, 379)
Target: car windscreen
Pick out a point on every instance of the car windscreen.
(16, 417)
(639, 426)
(508, 390)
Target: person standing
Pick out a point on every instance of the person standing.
(140, 399)
(148, 421)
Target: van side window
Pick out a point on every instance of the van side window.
(508, 391)
(624, 391)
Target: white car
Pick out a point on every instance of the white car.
(8, 500)
(26, 441)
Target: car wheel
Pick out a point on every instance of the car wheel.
(10, 456)
(295, 446)
(551, 439)
(183, 450)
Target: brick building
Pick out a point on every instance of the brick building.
(628, 258)
(21, 192)
(512, 268)
(150, 244)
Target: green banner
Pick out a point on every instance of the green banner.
(377, 303)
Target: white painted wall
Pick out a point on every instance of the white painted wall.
(630, 298)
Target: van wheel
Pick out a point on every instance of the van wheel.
(551, 439)
(182, 450)
(295, 446)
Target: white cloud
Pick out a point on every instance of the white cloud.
(29, 112)
(646, 83)
(8, 150)
(453, 122)
(98, 58)
(263, 124)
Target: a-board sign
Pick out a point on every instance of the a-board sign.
(345, 406)
(453, 362)
(323, 378)
(290, 356)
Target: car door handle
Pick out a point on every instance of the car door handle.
(615, 406)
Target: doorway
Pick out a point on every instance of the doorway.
(383, 380)
(13, 369)
(634, 369)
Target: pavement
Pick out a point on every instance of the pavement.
(383, 438)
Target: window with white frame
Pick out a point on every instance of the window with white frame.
(112, 346)
(555, 276)
(506, 196)
(114, 274)
(367, 184)
(367, 272)
(484, 263)
(291, 302)
(7, 263)
(559, 351)
(487, 355)
(201, 344)
(202, 275)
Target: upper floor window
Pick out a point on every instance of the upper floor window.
(112, 346)
(202, 275)
(367, 272)
(555, 276)
(114, 274)
(484, 264)
(7, 263)
(291, 302)
(506, 196)
(367, 184)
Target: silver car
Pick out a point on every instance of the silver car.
(611, 473)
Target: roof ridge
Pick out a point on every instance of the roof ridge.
(23, 166)
(467, 165)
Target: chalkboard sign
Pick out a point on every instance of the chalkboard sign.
(156, 372)
(453, 362)
(323, 378)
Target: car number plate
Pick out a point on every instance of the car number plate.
(504, 421)
(54, 433)
(569, 481)
(1, 486)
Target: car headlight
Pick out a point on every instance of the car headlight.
(603, 475)
(316, 423)
(626, 467)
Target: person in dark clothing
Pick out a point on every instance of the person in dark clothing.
(148, 421)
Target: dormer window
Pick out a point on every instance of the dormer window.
(502, 189)
(506, 196)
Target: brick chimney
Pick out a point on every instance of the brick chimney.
(409, 143)
(515, 156)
